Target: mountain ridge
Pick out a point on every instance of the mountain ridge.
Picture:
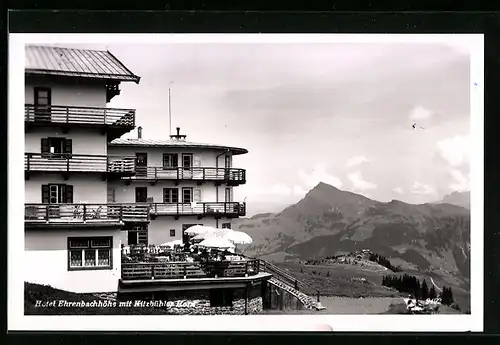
(431, 237)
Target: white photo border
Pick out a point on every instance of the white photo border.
(473, 43)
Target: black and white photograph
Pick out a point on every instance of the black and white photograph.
(254, 177)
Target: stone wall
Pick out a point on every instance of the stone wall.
(197, 302)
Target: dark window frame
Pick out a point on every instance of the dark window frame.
(65, 145)
(174, 162)
(172, 232)
(191, 195)
(170, 193)
(143, 188)
(226, 225)
(64, 191)
(190, 155)
(90, 247)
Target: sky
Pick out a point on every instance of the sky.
(337, 113)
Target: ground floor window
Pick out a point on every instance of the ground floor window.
(221, 297)
(226, 225)
(90, 253)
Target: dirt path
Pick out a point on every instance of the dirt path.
(437, 287)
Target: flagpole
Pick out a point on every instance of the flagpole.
(169, 113)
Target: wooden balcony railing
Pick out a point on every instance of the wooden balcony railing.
(85, 213)
(59, 114)
(187, 270)
(228, 175)
(79, 163)
(226, 209)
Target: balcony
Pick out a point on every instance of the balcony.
(231, 177)
(201, 209)
(115, 122)
(88, 215)
(65, 163)
(189, 270)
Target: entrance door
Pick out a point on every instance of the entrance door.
(141, 164)
(141, 194)
(187, 166)
(42, 102)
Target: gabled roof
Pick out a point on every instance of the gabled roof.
(96, 64)
(173, 143)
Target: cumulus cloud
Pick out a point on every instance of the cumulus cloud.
(398, 190)
(359, 183)
(455, 150)
(460, 182)
(420, 113)
(319, 174)
(356, 160)
(420, 188)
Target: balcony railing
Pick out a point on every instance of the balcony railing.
(229, 175)
(78, 163)
(186, 270)
(85, 213)
(226, 209)
(58, 114)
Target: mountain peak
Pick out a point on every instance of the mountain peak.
(323, 185)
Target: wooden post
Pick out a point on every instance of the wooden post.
(282, 299)
(246, 299)
(84, 213)
(318, 296)
(295, 285)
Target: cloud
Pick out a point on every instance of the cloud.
(299, 191)
(420, 113)
(420, 188)
(456, 150)
(356, 160)
(359, 183)
(319, 174)
(460, 182)
(398, 190)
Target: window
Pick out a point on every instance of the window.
(170, 195)
(170, 160)
(56, 147)
(187, 195)
(57, 193)
(221, 298)
(141, 194)
(172, 232)
(187, 161)
(89, 253)
(226, 225)
(42, 96)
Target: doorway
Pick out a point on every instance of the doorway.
(141, 164)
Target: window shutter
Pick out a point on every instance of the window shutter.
(68, 198)
(175, 160)
(197, 194)
(45, 146)
(68, 147)
(45, 194)
(196, 161)
(165, 195)
(175, 195)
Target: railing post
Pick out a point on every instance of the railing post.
(246, 268)
(178, 173)
(67, 114)
(84, 213)
(105, 115)
(29, 158)
(47, 213)
(185, 272)
(318, 296)
(156, 173)
(120, 213)
(67, 163)
(203, 173)
(152, 271)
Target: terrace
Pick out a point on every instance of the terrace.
(64, 163)
(201, 209)
(115, 122)
(141, 263)
(229, 176)
(88, 215)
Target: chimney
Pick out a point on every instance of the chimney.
(178, 136)
(139, 132)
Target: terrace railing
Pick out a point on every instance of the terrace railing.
(236, 209)
(84, 213)
(78, 163)
(59, 114)
(288, 279)
(196, 173)
(186, 270)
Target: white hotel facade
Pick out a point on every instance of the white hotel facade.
(88, 192)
